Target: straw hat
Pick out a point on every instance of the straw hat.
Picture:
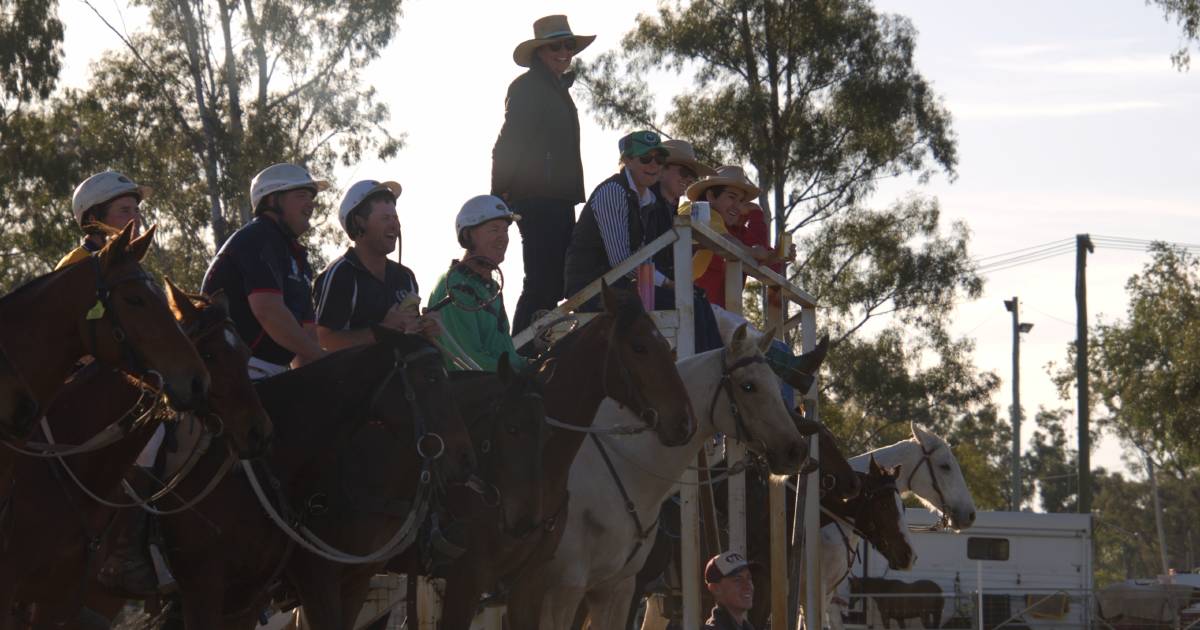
(680, 152)
(726, 176)
(547, 30)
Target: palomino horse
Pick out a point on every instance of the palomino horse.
(227, 553)
(57, 534)
(618, 485)
(105, 306)
(620, 354)
(505, 416)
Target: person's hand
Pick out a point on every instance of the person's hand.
(401, 319)
(429, 327)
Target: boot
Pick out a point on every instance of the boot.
(797, 371)
(129, 568)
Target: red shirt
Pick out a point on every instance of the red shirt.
(750, 231)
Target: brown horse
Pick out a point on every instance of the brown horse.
(56, 536)
(227, 553)
(18, 407)
(105, 306)
(922, 599)
(620, 354)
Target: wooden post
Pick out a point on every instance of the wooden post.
(685, 346)
(777, 500)
(1083, 245)
(735, 451)
(814, 598)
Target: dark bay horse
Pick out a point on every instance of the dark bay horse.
(106, 307)
(620, 354)
(57, 537)
(922, 599)
(227, 553)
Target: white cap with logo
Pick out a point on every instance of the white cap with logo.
(479, 210)
(726, 564)
(281, 178)
(360, 191)
(103, 187)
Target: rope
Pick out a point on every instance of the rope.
(107, 436)
(620, 429)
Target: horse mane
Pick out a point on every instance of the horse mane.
(628, 308)
(32, 284)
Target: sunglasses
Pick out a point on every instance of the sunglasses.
(569, 43)
(657, 158)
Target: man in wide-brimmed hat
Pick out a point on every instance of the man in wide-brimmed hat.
(536, 166)
(681, 170)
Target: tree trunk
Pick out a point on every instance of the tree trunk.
(236, 169)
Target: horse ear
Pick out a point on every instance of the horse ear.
(140, 245)
(181, 303)
(874, 468)
(739, 337)
(504, 369)
(764, 341)
(609, 297)
(116, 250)
(895, 471)
(805, 426)
(921, 435)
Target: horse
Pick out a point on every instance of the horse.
(227, 553)
(619, 354)
(618, 486)
(922, 600)
(105, 307)
(505, 415)
(839, 483)
(56, 534)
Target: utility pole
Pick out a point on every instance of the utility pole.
(1013, 306)
(1083, 245)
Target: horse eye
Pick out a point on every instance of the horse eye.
(135, 300)
(749, 388)
(945, 467)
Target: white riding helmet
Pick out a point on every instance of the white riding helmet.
(479, 210)
(103, 187)
(360, 191)
(280, 178)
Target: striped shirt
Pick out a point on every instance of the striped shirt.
(611, 208)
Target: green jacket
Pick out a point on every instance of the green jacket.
(483, 334)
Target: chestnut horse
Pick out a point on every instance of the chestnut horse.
(104, 306)
(227, 554)
(619, 354)
(57, 537)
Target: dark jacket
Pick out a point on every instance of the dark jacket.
(659, 220)
(537, 152)
(587, 259)
(722, 620)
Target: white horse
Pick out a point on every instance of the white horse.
(930, 472)
(608, 533)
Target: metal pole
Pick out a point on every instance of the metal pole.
(1014, 306)
(1083, 245)
(685, 346)
(813, 597)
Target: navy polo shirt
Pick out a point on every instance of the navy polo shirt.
(261, 258)
(349, 297)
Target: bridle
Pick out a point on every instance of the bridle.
(943, 505)
(645, 411)
(725, 385)
(864, 528)
(486, 488)
(103, 308)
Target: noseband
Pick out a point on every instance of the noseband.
(927, 462)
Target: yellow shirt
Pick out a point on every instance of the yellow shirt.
(75, 255)
(703, 257)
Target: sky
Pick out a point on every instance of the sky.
(1069, 118)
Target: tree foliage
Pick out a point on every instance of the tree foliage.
(211, 92)
(1185, 13)
(30, 49)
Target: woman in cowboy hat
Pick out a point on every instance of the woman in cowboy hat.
(536, 166)
(681, 170)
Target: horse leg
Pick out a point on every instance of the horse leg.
(461, 600)
(609, 605)
(525, 604)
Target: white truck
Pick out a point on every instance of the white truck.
(1016, 570)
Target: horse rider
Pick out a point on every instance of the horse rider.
(727, 576)
(110, 200)
(104, 199)
(613, 225)
(363, 288)
(482, 334)
(263, 270)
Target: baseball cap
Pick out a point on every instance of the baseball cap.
(725, 564)
(640, 143)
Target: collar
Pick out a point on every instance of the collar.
(565, 81)
(723, 618)
(645, 199)
(91, 246)
(292, 240)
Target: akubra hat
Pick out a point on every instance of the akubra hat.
(726, 176)
(681, 152)
(548, 30)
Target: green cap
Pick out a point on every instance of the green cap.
(640, 143)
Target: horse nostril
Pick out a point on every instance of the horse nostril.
(971, 517)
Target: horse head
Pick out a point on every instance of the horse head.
(879, 516)
(414, 397)
(753, 411)
(130, 325)
(639, 368)
(938, 481)
(839, 481)
(516, 436)
(232, 406)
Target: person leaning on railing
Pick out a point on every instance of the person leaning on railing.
(613, 225)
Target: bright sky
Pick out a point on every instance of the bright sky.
(1069, 118)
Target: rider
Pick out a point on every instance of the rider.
(362, 287)
(483, 335)
(264, 271)
(107, 198)
(728, 578)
